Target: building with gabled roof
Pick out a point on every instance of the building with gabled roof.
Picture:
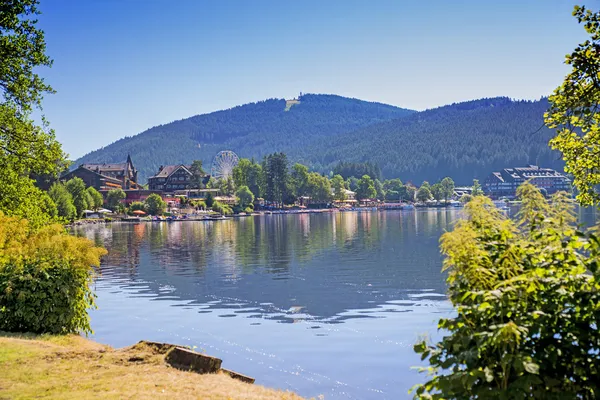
(171, 178)
(106, 176)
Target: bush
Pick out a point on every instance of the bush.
(526, 295)
(221, 208)
(45, 278)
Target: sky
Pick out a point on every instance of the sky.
(123, 66)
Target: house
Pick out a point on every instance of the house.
(506, 182)
(171, 178)
(104, 177)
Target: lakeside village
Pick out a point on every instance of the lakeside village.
(186, 192)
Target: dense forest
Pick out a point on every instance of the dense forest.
(464, 140)
(252, 131)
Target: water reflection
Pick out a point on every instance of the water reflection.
(319, 304)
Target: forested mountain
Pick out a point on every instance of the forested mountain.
(465, 140)
(251, 130)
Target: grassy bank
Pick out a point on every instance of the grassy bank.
(72, 367)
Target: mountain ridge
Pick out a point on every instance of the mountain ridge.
(465, 140)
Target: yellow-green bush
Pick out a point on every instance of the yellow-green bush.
(45, 278)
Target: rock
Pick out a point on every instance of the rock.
(160, 348)
(238, 376)
(189, 360)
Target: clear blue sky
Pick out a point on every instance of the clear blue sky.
(122, 66)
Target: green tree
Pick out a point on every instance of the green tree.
(198, 174)
(97, 201)
(393, 189)
(26, 149)
(423, 194)
(76, 187)
(155, 204)
(574, 109)
(477, 191)
(437, 191)
(114, 197)
(408, 192)
(245, 196)
(338, 185)
(137, 206)
(63, 201)
(276, 178)
(226, 186)
(526, 296)
(23, 50)
(318, 188)
(465, 198)
(240, 172)
(352, 183)
(209, 200)
(366, 188)
(447, 186)
(299, 178)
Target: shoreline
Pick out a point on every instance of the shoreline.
(74, 367)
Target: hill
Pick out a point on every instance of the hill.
(251, 130)
(463, 140)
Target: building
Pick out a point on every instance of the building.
(171, 178)
(506, 182)
(104, 177)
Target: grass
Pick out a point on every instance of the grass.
(72, 367)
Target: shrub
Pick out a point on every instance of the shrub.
(45, 278)
(526, 294)
(155, 204)
(221, 208)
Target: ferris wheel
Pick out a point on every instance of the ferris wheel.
(223, 164)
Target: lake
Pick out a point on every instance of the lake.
(321, 304)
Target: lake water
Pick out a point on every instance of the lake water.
(320, 304)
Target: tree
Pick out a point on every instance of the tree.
(240, 172)
(76, 187)
(339, 191)
(245, 197)
(276, 179)
(23, 50)
(393, 189)
(408, 192)
(155, 204)
(26, 149)
(476, 188)
(423, 194)
(366, 188)
(318, 188)
(226, 186)
(209, 200)
(437, 191)
(574, 112)
(97, 201)
(447, 186)
(465, 198)
(526, 296)
(352, 184)
(299, 177)
(114, 197)
(63, 201)
(198, 174)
